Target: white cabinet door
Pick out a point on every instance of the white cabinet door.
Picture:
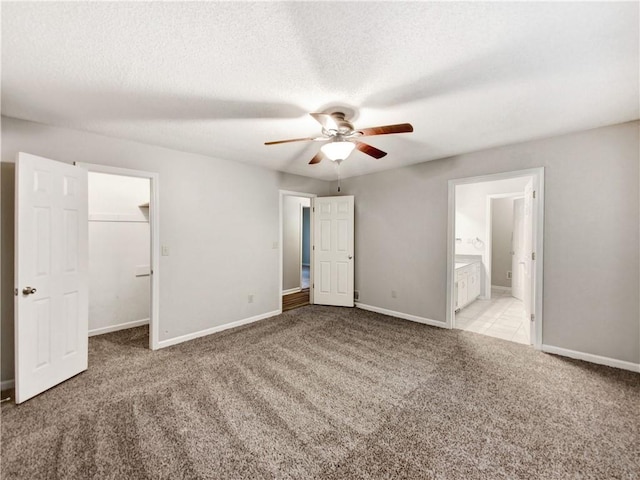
(51, 302)
(473, 283)
(333, 250)
(463, 278)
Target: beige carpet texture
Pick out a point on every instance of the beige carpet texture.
(328, 393)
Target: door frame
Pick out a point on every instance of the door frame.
(290, 193)
(302, 207)
(154, 228)
(538, 233)
(486, 294)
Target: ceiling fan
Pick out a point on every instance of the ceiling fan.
(342, 137)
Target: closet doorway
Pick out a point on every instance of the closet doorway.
(123, 252)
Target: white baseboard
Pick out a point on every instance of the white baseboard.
(501, 288)
(7, 384)
(121, 326)
(291, 290)
(589, 357)
(404, 316)
(203, 333)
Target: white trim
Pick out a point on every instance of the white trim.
(589, 357)
(154, 227)
(292, 290)
(120, 326)
(203, 333)
(404, 316)
(290, 193)
(538, 186)
(501, 288)
(7, 384)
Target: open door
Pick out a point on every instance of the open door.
(518, 252)
(333, 244)
(528, 258)
(51, 274)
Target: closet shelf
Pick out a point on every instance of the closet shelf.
(144, 205)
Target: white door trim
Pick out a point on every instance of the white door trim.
(538, 186)
(290, 193)
(154, 224)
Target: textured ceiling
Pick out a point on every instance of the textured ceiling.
(222, 78)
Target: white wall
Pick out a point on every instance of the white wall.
(220, 220)
(501, 236)
(292, 240)
(119, 245)
(591, 261)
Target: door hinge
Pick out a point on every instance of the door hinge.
(533, 317)
(313, 248)
(151, 271)
(534, 194)
(533, 255)
(16, 292)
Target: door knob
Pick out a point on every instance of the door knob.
(350, 257)
(28, 291)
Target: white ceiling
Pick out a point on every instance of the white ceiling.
(222, 78)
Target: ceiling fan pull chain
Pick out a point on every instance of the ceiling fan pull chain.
(337, 163)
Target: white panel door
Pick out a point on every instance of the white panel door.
(51, 302)
(529, 270)
(333, 251)
(518, 253)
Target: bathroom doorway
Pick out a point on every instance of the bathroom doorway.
(491, 218)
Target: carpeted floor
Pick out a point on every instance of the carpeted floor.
(328, 393)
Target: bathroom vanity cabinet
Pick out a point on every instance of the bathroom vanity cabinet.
(467, 283)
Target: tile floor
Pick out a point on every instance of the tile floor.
(502, 317)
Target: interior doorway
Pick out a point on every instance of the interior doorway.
(123, 250)
(495, 251)
(119, 252)
(296, 273)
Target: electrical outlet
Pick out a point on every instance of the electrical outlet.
(250, 298)
(274, 245)
(394, 294)
(165, 250)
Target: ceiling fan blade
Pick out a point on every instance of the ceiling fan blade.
(399, 128)
(369, 150)
(317, 159)
(289, 141)
(326, 120)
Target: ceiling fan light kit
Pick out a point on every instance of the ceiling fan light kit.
(342, 137)
(338, 149)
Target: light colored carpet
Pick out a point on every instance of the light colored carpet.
(328, 393)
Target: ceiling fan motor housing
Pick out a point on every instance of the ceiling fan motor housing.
(344, 126)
